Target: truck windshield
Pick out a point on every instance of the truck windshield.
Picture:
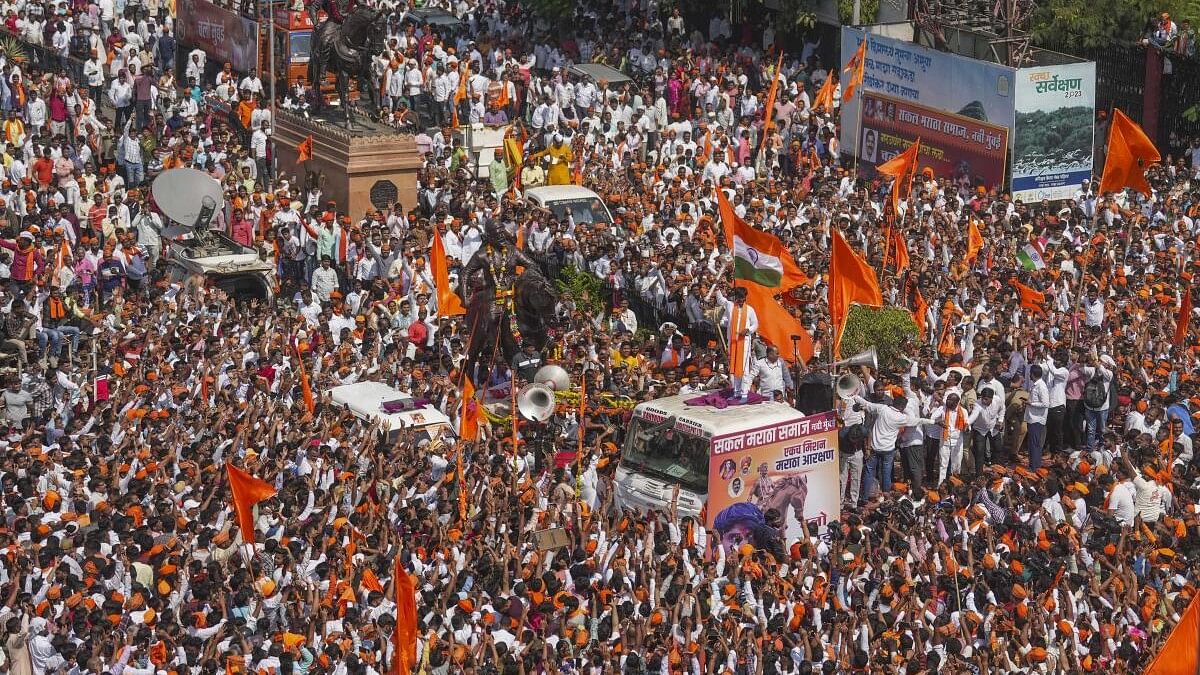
(668, 454)
(584, 211)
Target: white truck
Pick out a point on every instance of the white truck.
(736, 466)
(396, 410)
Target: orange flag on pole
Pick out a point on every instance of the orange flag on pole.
(310, 403)
(1030, 299)
(1185, 317)
(371, 582)
(448, 303)
(825, 94)
(777, 326)
(468, 421)
(1130, 151)
(902, 167)
(856, 70)
(851, 280)
(305, 149)
(404, 639)
(920, 307)
(771, 93)
(901, 250)
(247, 491)
(1180, 654)
(974, 241)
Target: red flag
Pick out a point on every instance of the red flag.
(1181, 652)
(468, 421)
(902, 167)
(1130, 151)
(247, 491)
(771, 93)
(448, 303)
(901, 250)
(856, 70)
(404, 640)
(825, 94)
(305, 149)
(974, 241)
(1185, 317)
(851, 280)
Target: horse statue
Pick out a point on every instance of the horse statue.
(504, 308)
(347, 47)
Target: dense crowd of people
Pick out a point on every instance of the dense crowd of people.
(1020, 489)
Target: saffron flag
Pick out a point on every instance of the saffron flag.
(448, 303)
(468, 420)
(920, 308)
(902, 167)
(777, 326)
(851, 280)
(758, 257)
(1185, 317)
(856, 70)
(1030, 299)
(1130, 151)
(305, 149)
(370, 581)
(1180, 654)
(825, 94)
(771, 94)
(247, 491)
(310, 403)
(974, 241)
(404, 639)
(901, 250)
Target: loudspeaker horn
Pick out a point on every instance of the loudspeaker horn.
(555, 377)
(535, 402)
(847, 385)
(867, 357)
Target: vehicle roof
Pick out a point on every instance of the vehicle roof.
(599, 71)
(720, 421)
(434, 16)
(367, 398)
(556, 193)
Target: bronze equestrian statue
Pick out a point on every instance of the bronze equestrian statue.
(345, 43)
(505, 308)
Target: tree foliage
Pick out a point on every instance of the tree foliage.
(555, 10)
(888, 329)
(584, 289)
(868, 11)
(1095, 24)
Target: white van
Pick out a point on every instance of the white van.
(377, 401)
(584, 205)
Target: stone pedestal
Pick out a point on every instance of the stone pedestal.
(369, 168)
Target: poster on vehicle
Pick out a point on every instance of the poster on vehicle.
(968, 152)
(949, 83)
(1055, 132)
(225, 36)
(791, 467)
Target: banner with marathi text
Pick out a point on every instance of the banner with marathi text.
(1055, 133)
(791, 467)
(225, 36)
(958, 148)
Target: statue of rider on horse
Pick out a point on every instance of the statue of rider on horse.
(351, 35)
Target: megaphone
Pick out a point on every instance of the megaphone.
(535, 402)
(867, 357)
(555, 377)
(847, 385)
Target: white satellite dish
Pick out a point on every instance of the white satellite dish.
(181, 195)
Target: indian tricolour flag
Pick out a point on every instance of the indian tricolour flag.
(1031, 257)
(758, 256)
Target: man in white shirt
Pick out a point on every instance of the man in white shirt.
(1095, 411)
(258, 148)
(890, 419)
(1036, 412)
(769, 376)
(982, 420)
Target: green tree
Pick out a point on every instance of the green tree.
(1095, 24)
(890, 330)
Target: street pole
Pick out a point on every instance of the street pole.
(271, 51)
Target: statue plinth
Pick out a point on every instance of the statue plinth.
(368, 168)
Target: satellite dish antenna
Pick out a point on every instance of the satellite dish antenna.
(189, 197)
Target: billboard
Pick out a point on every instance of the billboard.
(936, 80)
(962, 149)
(225, 36)
(1055, 131)
(791, 467)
